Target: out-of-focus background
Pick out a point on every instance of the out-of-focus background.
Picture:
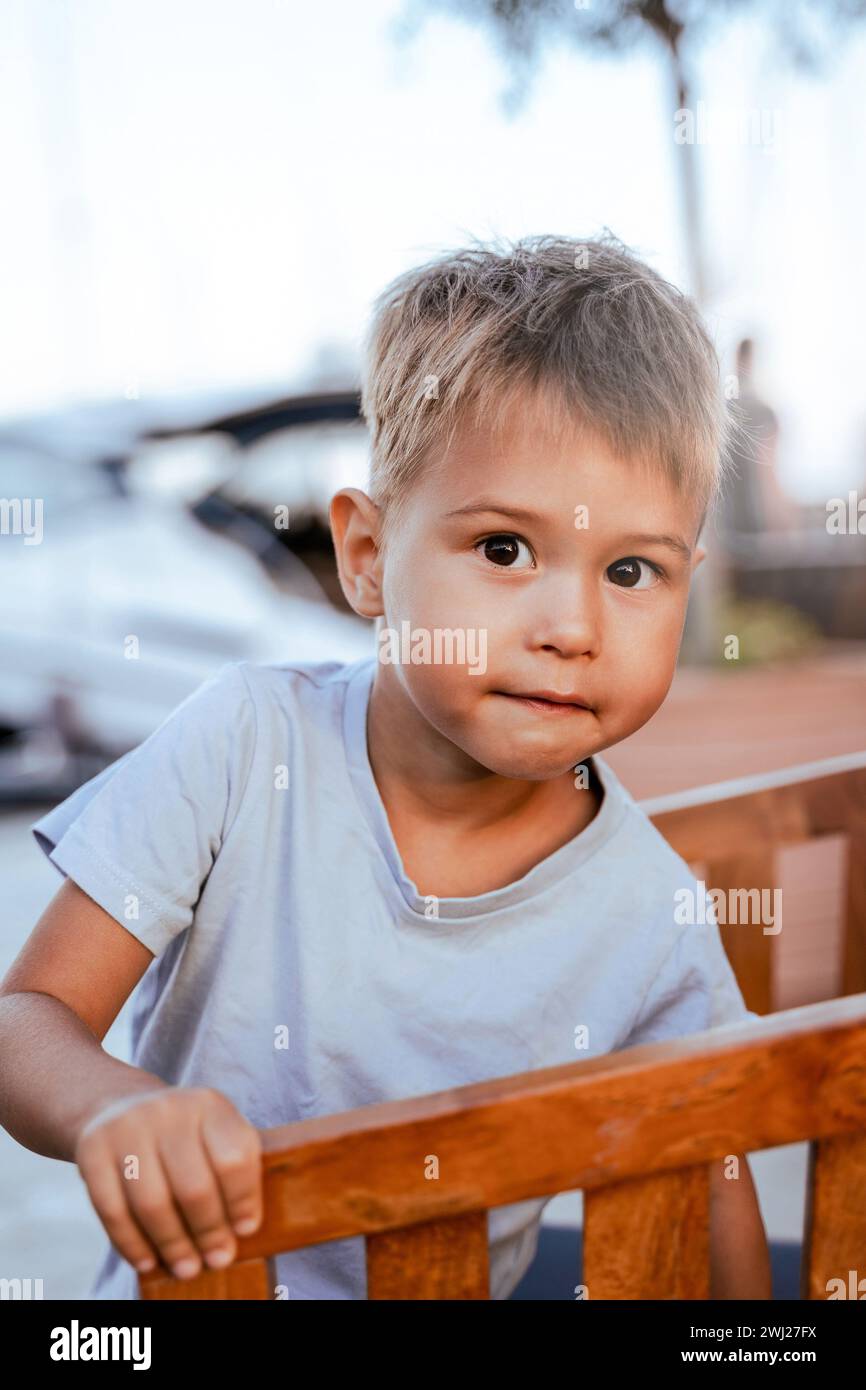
(202, 200)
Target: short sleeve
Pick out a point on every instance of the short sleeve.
(695, 990)
(141, 836)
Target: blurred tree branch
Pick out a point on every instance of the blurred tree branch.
(805, 33)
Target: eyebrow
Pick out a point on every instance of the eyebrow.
(489, 505)
(670, 542)
(675, 543)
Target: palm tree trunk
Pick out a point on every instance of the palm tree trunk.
(702, 637)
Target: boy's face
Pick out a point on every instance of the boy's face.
(551, 551)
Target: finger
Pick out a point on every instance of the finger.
(198, 1195)
(235, 1151)
(106, 1188)
(156, 1211)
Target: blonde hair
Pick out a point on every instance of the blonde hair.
(600, 339)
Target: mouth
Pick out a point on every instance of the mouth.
(548, 702)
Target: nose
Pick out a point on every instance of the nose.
(566, 616)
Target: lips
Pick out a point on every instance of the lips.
(550, 699)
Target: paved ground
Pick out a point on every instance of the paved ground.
(48, 1229)
(713, 726)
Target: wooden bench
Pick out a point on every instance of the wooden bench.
(636, 1130)
(737, 828)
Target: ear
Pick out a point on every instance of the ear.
(699, 555)
(354, 529)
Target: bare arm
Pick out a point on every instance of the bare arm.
(739, 1255)
(197, 1177)
(57, 1002)
(54, 1074)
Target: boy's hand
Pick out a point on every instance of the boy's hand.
(198, 1174)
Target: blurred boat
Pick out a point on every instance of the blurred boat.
(125, 603)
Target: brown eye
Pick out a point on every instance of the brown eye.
(626, 573)
(503, 550)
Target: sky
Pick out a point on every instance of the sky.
(210, 193)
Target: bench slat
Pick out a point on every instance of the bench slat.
(854, 956)
(436, 1259)
(748, 948)
(834, 1237)
(245, 1279)
(649, 1238)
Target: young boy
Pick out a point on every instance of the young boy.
(356, 883)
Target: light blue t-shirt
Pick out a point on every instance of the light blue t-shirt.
(245, 843)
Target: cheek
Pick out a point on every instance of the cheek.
(432, 596)
(644, 643)
(434, 593)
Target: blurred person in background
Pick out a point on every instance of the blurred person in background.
(754, 499)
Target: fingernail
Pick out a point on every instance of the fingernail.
(218, 1258)
(144, 1265)
(185, 1269)
(247, 1226)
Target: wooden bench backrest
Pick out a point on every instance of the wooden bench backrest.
(736, 829)
(636, 1130)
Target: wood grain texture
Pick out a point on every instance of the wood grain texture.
(854, 957)
(649, 1238)
(446, 1259)
(834, 1238)
(245, 1279)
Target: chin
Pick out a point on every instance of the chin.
(528, 765)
